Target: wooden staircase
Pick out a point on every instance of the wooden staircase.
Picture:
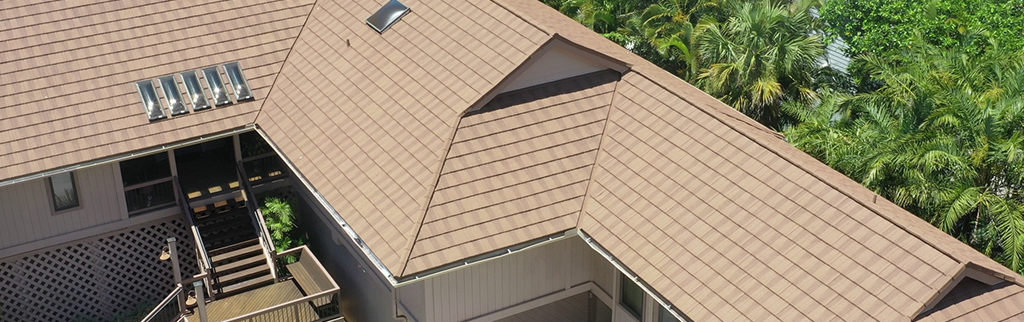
(234, 248)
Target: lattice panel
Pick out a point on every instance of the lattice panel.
(95, 279)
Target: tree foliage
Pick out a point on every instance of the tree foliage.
(765, 54)
(942, 137)
(934, 121)
(280, 218)
(886, 27)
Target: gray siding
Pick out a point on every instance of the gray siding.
(505, 282)
(27, 215)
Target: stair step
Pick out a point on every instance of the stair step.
(236, 254)
(227, 225)
(247, 285)
(241, 264)
(228, 238)
(213, 220)
(240, 276)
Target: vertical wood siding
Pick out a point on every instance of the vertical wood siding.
(27, 215)
(507, 281)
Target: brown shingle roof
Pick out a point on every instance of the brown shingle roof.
(68, 72)
(367, 117)
(719, 215)
(517, 170)
(976, 301)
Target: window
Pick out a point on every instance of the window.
(387, 15)
(665, 316)
(220, 93)
(173, 95)
(632, 298)
(195, 91)
(147, 183)
(242, 92)
(65, 194)
(150, 101)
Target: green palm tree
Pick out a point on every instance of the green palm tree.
(943, 138)
(765, 54)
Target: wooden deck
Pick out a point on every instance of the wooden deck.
(571, 309)
(251, 301)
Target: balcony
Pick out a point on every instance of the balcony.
(304, 293)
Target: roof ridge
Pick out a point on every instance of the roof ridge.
(756, 132)
(482, 100)
(284, 62)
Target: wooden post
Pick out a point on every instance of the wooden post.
(198, 286)
(172, 246)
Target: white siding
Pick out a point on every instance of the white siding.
(555, 64)
(27, 215)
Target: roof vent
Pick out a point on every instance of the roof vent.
(388, 15)
(150, 101)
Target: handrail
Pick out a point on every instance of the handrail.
(283, 305)
(159, 307)
(205, 266)
(269, 251)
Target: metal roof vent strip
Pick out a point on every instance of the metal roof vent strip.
(238, 82)
(194, 89)
(387, 16)
(217, 88)
(173, 95)
(150, 101)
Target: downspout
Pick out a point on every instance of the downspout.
(633, 277)
(398, 312)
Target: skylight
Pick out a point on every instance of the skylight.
(150, 101)
(195, 91)
(238, 82)
(388, 15)
(220, 93)
(172, 95)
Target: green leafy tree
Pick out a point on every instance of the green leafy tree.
(765, 54)
(942, 137)
(280, 218)
(885, 28)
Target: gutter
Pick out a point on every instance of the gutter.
(126, 156)
(377, 263)
(632, 276)
(479, 259)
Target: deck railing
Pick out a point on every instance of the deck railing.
(203, 258)
(168, 310)
(258, 222)
(321, 305)
(149, 195)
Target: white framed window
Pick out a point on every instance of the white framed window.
(63, 191)
(631, 297)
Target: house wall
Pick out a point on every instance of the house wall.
(505, 282)
(365, 294)
(27, 213)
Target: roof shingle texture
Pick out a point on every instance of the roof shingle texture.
(516, 170)
(68, 72)
(367, 117)
(720, 216)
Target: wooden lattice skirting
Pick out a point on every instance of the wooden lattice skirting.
(95, 278)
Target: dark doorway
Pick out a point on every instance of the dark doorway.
(207, 169)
